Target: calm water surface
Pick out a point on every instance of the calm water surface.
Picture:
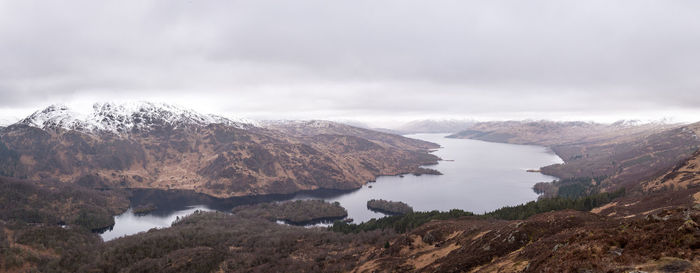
(128, 223)
(477, 176)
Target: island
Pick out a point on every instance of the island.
(421, 171)
(389, 207)
(299, 212)
(143, 209)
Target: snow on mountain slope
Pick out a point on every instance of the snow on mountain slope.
(55, 116)
(121, 118)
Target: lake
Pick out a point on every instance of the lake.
(477, 176)
(128, 223)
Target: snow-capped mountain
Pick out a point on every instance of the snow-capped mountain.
(125, 117)
(219, 159)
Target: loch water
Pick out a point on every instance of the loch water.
(478, 176)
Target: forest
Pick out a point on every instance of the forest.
(389, 207)
(299, 212)
(50, 202)
(526, 210)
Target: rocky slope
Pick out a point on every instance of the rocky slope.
(165, 147)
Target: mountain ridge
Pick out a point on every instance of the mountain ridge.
(123, 118)
(162, 147)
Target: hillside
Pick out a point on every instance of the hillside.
(549, 133)
(566, 241)
(312, 128)
(166, 147)
(619, 154)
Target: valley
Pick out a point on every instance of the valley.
(494, 171)
(349, 136)
(595, 217)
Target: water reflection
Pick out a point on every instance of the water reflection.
(128, 223)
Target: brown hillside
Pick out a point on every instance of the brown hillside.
(215, 159)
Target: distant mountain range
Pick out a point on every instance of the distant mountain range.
(434, 126)
(150, 145)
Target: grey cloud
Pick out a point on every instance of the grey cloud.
(355, 58)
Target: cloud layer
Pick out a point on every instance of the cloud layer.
(356, 59)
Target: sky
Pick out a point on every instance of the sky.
(372, 61)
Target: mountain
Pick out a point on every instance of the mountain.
(149, 145)
(124, 118)
(310, 128)
(434, 126)
(548, 133)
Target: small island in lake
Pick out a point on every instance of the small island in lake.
(300, 212)
(144, 209)
(420, 171)
(389, 207)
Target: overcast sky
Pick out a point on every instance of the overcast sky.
(362, 60)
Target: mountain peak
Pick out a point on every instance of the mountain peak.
(54, 116)
(123, 118)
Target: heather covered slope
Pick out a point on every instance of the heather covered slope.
(182, 150)
(678, 186)
(565, 241)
